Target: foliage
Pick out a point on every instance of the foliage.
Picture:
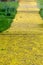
(41, 13)
(7, 13)
(40, 4)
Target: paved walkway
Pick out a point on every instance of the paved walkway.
(23, 49)
(26, 18)
(28, 6)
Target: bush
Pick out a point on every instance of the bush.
(5, 23)
(7, 13)
(41, 13)
(40, 5)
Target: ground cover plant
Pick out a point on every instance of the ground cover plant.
(8, 11)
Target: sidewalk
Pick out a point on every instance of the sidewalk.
(28, 6)
(26, 19)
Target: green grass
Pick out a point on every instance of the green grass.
(8, 10)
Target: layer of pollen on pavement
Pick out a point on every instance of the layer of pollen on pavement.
(19, 48)
(31, 10)
(28, 6)
(27, 17)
